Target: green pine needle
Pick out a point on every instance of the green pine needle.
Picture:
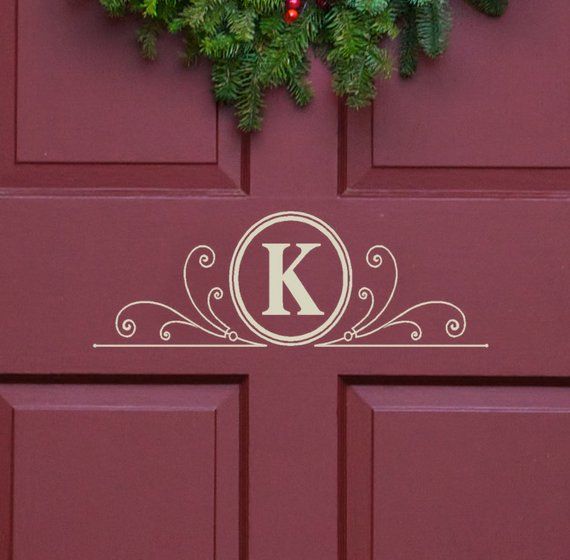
(252, 49)
(493, 8)
(409, 46)
(115, 8)
(147, 37)
(433, 26)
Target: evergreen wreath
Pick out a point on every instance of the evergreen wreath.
(254, 45)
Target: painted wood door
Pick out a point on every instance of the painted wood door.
(344, 337)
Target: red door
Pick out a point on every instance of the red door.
(343, 338)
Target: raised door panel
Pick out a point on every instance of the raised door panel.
(451, 472)
(82, 108)
(126, 471)
(504, 107)
(497, 121)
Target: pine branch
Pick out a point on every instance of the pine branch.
(241, 24)
(249, 98)
(224, 81)
(252, 49)
(220, 46)
(149, 8)
(298, 84)
(264, 7)
(191, 48)
(147, 37)
(493, 8)
(433, 21)
(115, 8)
(373, 7)
(409, 45)
(300, 90)
(354, 57)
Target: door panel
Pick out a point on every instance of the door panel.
(129, 471)
(81, 109)
(504, 107)
(75, 116)
(457, 471)
(491, 117)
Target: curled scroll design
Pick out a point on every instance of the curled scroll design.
(373, 320)
(206, 321)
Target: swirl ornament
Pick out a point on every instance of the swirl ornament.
(204, 316)
(207, 322)
(373, 320)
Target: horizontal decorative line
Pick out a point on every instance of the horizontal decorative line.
(348, 345)
(179, 345)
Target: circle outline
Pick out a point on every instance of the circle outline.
(234, 271)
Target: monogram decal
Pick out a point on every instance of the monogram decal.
(290, 280)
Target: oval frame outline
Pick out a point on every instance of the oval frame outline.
(344, 258)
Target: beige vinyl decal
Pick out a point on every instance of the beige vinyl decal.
(282, 279)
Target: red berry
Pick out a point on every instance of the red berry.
(323, 4)
(293, 4)
(290, 16)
